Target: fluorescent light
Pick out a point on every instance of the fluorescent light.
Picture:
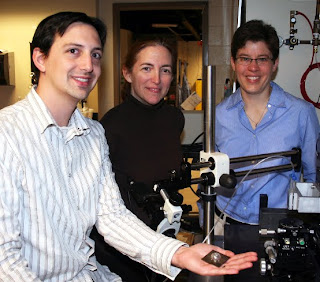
(159, 25)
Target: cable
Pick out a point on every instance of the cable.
(193, 145)
(302, 14)
(235, 190)
(194, 141)
(194, 192)
(303, 84)
(310, 68)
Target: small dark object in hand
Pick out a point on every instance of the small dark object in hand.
(215, 258)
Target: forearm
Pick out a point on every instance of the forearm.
(132, 237)
(125, 232)
(309, 161)
(310, 134)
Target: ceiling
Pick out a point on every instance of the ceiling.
(183, 25)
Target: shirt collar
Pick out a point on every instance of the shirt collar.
(276, 98)
(235, 99)
(77, 120)
(144, 106)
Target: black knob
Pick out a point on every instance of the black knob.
(228, 181)
(175, 198)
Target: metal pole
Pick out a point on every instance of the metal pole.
(209, 146)
(209, 111)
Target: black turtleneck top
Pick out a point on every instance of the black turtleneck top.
(144, 144)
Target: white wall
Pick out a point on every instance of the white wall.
(293, 63)
(18, 21)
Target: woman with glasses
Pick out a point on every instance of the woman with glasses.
(260, 118)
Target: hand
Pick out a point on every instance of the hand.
(191, 258)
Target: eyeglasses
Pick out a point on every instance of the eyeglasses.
(246, 61)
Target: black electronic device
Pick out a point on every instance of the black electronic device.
(7, 68)
(292, 251)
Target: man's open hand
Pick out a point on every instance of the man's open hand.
(191, 258)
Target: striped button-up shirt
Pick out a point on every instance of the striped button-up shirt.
(55, 184)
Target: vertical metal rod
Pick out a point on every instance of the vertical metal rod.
(239, 13)
(241, 6)
(208, 223)
(209, 111)
(209, 120)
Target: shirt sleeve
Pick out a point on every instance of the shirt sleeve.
(310, 133)
(13, 266)
(125, 232)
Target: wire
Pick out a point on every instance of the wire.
(310, 68)
(302, 14)
(235, 190)
(194, 192)
(303, 84)
(193, 145)
(194, 141)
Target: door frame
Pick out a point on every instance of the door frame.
(119, 7)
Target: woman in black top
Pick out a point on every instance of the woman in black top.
(143, 134)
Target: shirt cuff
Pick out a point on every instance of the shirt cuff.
(162, 254)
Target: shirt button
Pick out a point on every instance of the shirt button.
(69, 174)
(245, 208)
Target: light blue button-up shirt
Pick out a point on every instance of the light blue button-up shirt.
(289, 123)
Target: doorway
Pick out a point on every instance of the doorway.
(185, 23)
